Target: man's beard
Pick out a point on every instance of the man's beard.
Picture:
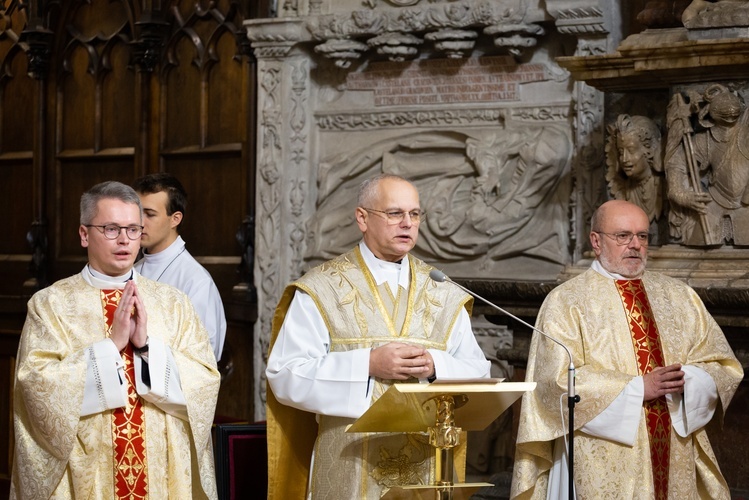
(621, 267)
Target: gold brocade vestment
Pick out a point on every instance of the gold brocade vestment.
(359, 314)
(61, 454)
(586, 314)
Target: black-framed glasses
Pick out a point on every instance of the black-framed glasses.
(112, 231)
(625, 237)
(394, 217)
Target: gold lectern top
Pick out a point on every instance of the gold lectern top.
(412, 408)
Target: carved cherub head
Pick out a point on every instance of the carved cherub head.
(634, 148)
(633, 156)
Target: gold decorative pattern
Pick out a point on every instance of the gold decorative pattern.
(360, 465)
(586, 314)
(57, 449)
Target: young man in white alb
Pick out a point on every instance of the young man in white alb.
(165, 257)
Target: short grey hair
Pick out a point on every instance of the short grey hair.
(368, 188)
(107, 190)
(597, 218)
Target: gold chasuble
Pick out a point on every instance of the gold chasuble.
(610, 329)
(359, 314)
(138, 451)
(128, 424)
(649, 355)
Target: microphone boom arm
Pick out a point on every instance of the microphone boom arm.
(441, 277)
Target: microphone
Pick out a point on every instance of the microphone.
(441, 277)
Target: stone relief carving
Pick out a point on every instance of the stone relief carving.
(635, 163)
(719, 13)
(439, 118)
(420, 118)
(540, 114)
(396, 46)
(707, 167)
(452, 27)
(529, 161)
(455, 43)
(585, 20)
(267, 267)
(489, 195)
(694, 14)
(342, 51)
(291, 7)
(589, 189)
(298, 125)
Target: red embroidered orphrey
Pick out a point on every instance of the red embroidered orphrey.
(128, 424)
(649, 355)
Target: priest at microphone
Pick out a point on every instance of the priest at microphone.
(342, 334)
(653, 369)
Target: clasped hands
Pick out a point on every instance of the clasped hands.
(663, 380)
(399, 361)
(129, 322)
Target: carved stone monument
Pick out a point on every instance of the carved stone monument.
(462, 97)
(701, 64)
(495, 110)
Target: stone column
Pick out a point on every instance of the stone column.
(591, 22)
(284, 175)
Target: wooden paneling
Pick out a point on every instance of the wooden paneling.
(224, 124)
(7, 367)
(108, 105)
(215, 186)
(15, 185)
(17, 90)
(118, 111)
(75, 102)
(16, 160)
(17, 192)
(181, 122)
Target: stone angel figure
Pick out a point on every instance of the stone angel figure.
(635, 163)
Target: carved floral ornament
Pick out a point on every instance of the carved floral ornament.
(452, 28)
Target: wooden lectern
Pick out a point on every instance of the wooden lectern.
(443, 408)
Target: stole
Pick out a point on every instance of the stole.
(649, 354)
(128, 423)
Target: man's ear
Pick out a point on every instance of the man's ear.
(83, 233)
(361, 218)
(595, 242)
(176, 219)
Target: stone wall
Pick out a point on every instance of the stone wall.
(498, 112)
(465, 98)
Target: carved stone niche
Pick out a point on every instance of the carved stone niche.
(705, 127)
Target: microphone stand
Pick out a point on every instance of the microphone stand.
(572, 398)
